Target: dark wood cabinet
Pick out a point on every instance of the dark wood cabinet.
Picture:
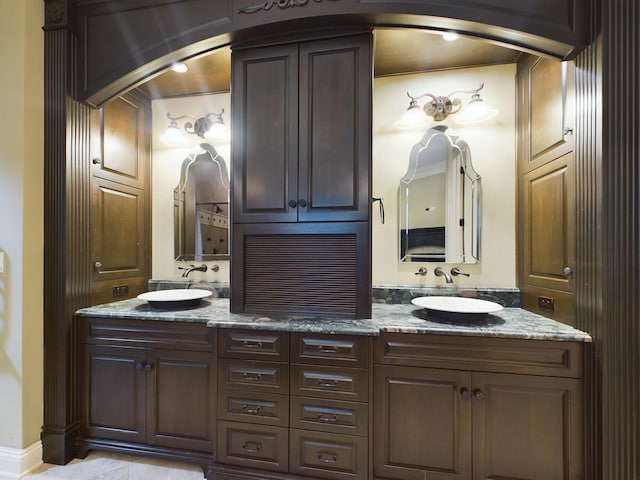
(120, 203)
(546, 173)
(301, 170)
(303, 113)
(150, 387)
(461, 423)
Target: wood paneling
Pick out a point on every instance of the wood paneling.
(152, 30)
(621, 239)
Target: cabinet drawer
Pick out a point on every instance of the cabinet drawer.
(333, 416)
(534, 357)
(257, 446)
(330, 382)
(148, 333)
(326, 455)
(349, 351)
(262, 408)
(272, 346)
(260, 376)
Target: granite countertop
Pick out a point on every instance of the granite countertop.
(400, 318)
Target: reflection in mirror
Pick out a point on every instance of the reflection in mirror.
(201, 207)
(439, 200)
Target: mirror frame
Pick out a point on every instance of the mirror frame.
(184, 213)
(465, 211)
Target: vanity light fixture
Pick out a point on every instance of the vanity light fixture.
(209, 127)
(440, 107)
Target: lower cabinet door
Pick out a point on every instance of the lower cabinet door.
(181, 399)
(328, 455)
(112, 387)
(256, 446)
(422, 424)
(526, 426)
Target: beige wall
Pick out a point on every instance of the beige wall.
(492, 148)
(21, 227)
(165, 174)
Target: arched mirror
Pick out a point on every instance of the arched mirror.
(201, 207)
(439, 201)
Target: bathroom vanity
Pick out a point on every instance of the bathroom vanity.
(399, 396)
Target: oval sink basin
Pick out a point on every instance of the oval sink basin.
(175, 298)
(457, 305)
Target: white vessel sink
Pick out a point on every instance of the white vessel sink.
(175, 298)
(461, 305)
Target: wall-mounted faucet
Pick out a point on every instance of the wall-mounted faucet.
(421, 271)
(191, 268)
(441, 272)
(455, 271)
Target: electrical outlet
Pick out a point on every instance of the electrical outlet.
(120, 290)
(546, 303)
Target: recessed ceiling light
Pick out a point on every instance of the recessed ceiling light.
(450, 36)
(179, 67)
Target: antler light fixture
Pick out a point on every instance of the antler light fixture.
(209, 127)
(440, 107)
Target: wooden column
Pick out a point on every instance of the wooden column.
(620, 327)
(66, 262)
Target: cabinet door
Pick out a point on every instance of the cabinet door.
(422, 426)
(181, 400)
(265, 139)
(118, 239)
(526, 426)
(335, 129)
(112, 393)
(120, 141)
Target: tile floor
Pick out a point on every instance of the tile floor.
(117, 466)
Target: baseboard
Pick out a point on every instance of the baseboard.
(14, 463)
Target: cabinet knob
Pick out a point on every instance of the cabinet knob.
(302, 202)
(479, 394)
(139, 366)
(293, 203)
(96, 161)
(98, 265)
(466, 393)
(567, 271)
(148, 367)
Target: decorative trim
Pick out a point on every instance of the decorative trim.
(14, 462)
(280, 3)
(55, 13)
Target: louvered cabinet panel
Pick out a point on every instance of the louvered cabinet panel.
(307, 269)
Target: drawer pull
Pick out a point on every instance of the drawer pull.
(251, 408)
(327, 383)
(255, 377)
(248, 344)
(323, 349)
(327, 457)
(252, 446)
(322, 417)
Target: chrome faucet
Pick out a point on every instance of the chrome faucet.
(191, 268)
(441, 272)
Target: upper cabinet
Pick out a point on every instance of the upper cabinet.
(546, 171)
(302, 146)
(120, 214)
(301, 177)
